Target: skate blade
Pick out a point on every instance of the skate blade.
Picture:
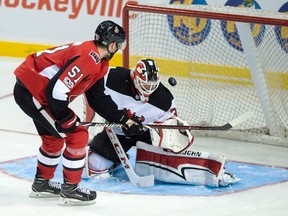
(236, 180)
(34, 194)
(74, 202)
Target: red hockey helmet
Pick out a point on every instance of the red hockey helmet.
(145, 77)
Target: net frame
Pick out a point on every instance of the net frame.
(219, 13)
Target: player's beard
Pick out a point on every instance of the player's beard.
(110, 55)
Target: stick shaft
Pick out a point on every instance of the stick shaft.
(142, 181)
(226, 126)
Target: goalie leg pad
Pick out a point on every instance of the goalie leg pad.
(188, 167)
(96, 166)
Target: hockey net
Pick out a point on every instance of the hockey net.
(226, 60)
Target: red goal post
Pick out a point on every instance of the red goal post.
(227, 61)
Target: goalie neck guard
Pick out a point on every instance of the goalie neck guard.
(145, 77)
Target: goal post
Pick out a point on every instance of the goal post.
(226, 60)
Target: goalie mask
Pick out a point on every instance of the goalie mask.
(146, 78)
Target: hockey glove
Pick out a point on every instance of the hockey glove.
(133, 125)
(67, 124)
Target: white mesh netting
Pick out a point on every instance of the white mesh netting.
(214, 80)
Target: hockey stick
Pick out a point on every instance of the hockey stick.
(142, 181)
(226, 126)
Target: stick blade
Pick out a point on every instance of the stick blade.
(143, 181)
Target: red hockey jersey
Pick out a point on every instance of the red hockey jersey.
(69, 70)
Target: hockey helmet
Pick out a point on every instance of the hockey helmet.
(145, 77)
(108, 32)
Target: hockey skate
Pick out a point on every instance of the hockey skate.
(228, 179)
(44, 188)
(72, 194)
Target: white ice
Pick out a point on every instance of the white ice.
(18, 140)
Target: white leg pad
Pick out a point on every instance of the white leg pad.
(187, 167)
(96, 166)
(98, 163)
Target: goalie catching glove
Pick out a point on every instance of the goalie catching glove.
(133, 126)
(170, 139)
(67, 124)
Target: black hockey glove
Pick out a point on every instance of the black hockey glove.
(67, 124)
(133, 125)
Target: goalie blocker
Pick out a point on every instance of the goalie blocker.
(188, 167)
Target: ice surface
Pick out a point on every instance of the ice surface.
(18, 140)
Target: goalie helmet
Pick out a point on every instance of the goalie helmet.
(145, 77)
(108, 32)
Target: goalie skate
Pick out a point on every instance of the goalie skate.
(228, 179)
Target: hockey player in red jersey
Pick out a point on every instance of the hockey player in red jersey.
(47, 82)
(140, 94)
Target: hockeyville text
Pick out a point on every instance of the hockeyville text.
(110, 8)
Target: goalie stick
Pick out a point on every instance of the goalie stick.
(142, 181)
(226, 126)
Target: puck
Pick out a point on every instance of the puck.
(172, 81)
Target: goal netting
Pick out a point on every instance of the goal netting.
(226, 60)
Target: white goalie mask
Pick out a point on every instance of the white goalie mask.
(146, 78)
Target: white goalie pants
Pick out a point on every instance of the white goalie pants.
(188, 167)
